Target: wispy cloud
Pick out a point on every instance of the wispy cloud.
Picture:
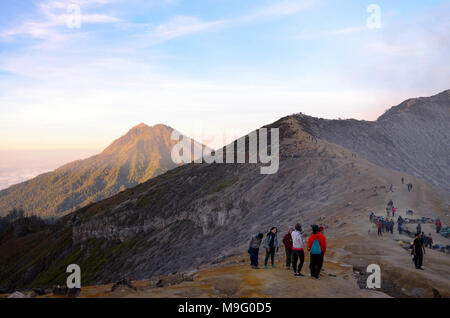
(183, 25)
(283, 8)
(52, 16)
(308, 35)
(186, 25)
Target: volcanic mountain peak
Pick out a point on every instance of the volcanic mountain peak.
(159, 134)
(142, 153)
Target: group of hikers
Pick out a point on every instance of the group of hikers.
(295, 246)
(385, 225)
(420, 241)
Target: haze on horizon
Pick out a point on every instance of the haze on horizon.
(205, 66)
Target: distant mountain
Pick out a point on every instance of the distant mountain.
(141, 154)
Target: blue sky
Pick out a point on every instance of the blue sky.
(209, 66)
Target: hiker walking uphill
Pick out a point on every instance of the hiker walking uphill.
(253, 249)
(317, 246)
(298, 244)
(287, 241)
(271, 244)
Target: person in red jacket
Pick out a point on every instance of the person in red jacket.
(317, 246)
(438, 225)
(287, 241)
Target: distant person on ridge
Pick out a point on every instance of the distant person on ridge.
(271, 245)
(317, 246)
(298, 244)
(253, 249)
(287, 241)
(418, 251)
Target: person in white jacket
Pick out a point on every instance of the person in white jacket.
(298, 245)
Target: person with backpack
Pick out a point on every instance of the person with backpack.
(287, 241)
(253, 249)
(271, 244)
(298, 244)
(317, 246)
(380, 226)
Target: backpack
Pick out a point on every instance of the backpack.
(315, 248)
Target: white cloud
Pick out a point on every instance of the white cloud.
(186, 25)
(283, 8)
(311, 35)
(52, 16)
(183, 25)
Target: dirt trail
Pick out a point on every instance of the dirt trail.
(237, 279)
(399, 277)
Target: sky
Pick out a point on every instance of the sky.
(78, 74)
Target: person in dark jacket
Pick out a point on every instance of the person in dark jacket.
(253, 249)
(287, 241)
(400, 223)
(418, 251)
(271, 246)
